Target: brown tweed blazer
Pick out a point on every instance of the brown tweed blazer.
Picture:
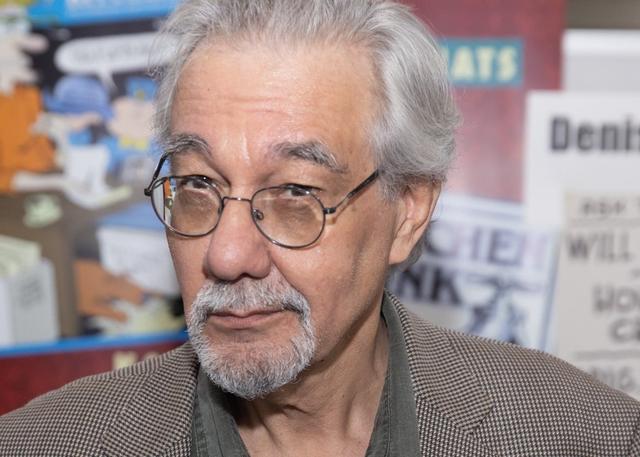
(474, 398)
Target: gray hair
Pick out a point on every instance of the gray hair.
(412, 138)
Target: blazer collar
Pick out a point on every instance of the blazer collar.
(158, 415)
(451, 402)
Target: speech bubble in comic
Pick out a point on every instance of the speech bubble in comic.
(108, 55)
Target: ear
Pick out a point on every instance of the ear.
(415, 208)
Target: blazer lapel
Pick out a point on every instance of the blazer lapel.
(450, 401)
(440, 437)
(157, 419)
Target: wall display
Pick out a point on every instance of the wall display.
(82, 150)
(76, 151)
(601, 252)
(582, 142)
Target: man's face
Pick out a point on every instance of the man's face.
(242, 101)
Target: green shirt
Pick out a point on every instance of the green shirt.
(395, 433)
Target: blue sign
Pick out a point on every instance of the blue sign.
(485, 62)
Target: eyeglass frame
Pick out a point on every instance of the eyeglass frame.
(156, 178)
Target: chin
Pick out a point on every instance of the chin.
(252, 368)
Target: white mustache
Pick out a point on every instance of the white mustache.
(246, 296)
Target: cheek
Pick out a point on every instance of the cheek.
(341, 271)
(306, 270)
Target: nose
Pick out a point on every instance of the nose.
(236, 247)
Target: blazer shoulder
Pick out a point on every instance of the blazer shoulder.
(550, 405)
(70, 420)
(519, 370)
(533, 389)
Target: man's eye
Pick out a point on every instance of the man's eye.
(193, 183)
(297, 190)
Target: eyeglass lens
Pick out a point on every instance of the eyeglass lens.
(291, 217)
(191, 206)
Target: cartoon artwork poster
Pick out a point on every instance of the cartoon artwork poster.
(75, 151)
(97, 106)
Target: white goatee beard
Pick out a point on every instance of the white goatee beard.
(257, 372)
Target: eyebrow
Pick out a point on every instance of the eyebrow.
(184, 142)
(311, 151)
(174, 145)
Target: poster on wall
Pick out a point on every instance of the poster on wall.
(76, 149)
(601, 251)
(484, 272)
(579, 142)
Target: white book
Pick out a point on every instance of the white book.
(28, 308)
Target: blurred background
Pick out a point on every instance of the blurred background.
(536, 240)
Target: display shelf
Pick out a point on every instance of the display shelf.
(89, 343)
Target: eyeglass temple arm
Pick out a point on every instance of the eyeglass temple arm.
(372, 177)
(156, 173)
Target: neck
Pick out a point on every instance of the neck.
(331, 408)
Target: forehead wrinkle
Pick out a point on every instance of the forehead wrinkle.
(311, 151)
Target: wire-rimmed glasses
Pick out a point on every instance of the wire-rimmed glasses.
(290, 216)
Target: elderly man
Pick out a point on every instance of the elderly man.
(305, 145)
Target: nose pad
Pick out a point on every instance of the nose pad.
(258, 215)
